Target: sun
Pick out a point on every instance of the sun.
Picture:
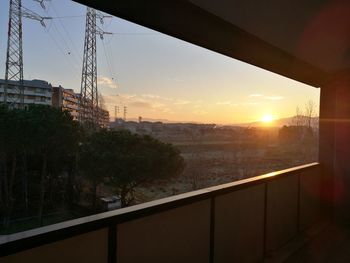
(267, 118)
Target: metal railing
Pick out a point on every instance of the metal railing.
(239, 221)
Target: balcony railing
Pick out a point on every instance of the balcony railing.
(242, 221)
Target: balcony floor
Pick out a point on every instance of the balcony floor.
(324, 243)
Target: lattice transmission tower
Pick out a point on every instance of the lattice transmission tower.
(125, 112)
(89, 111)
(116, 112)
(14, 54)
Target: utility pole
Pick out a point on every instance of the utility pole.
(88, 111)
(14, 54)
(125, 111)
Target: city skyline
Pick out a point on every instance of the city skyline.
(156, 76)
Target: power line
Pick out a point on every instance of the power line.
(73, 16)
(109, 59)
(70, 57)
(66, 45)
(122, 33)
(67, 33)
(41, 2)
(74, 67)
(108, 62)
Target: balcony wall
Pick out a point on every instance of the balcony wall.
(243, 221)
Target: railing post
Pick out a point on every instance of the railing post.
(298, 203)
(112, 243)
(212, 230)
(265, 222)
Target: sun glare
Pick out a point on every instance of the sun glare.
(267, 118)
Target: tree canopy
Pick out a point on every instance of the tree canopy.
(126, 160)
(37, 146)
(46, 159)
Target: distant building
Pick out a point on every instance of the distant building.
(35, 92)
(103, 118)
(67, 99)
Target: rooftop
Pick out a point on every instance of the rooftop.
(35, 83)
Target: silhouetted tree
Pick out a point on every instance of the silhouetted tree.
(127, 160)
(37, 147)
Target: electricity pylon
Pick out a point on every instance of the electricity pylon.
(116, 112)
(124, 113)
(89, 111)
(14, 55)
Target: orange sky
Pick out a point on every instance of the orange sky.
(154, 75)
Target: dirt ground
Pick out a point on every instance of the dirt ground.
(210, 163)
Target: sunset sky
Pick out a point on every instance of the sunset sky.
(154, 75)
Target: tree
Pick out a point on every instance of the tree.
(10, 145)
(54, 139)
(298, 119)
(37, 147)
(127, 160)
(94, 160)
(310, 113)
(306, 117)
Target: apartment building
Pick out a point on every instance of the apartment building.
(35, 92)
(67, 99)
(103, 117)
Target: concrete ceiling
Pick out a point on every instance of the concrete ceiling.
(302, 39)
(317, 31)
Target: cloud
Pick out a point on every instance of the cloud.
(141, 104)
(150, 102)
(157, 97)
(110, 98)
(256, 95)
(119, 98)
(228, 103)
(166, 99)
(106, 81)
(151, 96)
(154, 106)
(127, 96)
(250, 103)
(182, 102)
(274, 97)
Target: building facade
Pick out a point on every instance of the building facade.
(103, 118)
(67, 99)
(35, 92)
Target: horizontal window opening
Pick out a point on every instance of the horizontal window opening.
(151, 117)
